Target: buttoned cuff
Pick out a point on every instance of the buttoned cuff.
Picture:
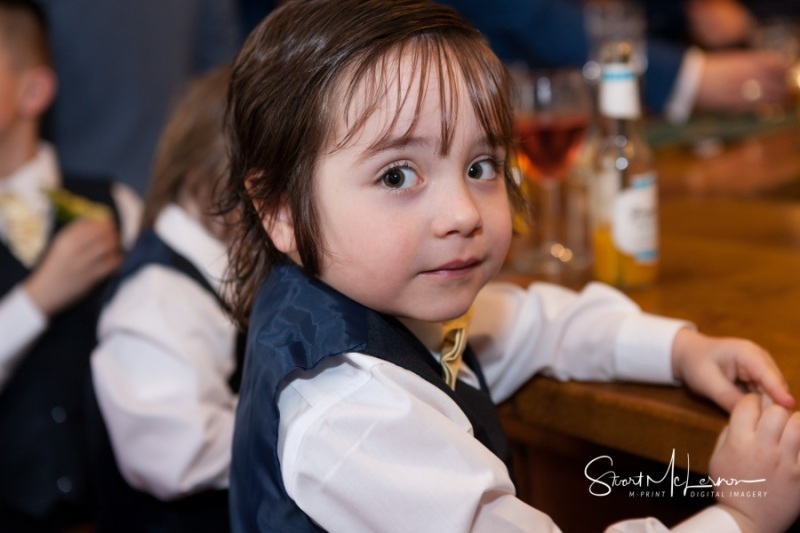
(644, 348)
(684, 93)
(21, 322)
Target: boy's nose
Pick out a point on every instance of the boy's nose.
(457, 210)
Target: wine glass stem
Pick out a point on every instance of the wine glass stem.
(550, 203)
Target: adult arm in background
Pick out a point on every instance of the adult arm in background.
(542, 33)
(678, 79)
(708, 23)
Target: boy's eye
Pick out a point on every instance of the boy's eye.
(483, 170)
(399, 178)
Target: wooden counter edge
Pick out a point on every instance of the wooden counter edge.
(609, 415)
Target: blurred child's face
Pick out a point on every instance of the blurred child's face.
(10, 92)
(410, 231)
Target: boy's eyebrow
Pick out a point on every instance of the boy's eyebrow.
(395, 143)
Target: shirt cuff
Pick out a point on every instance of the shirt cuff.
(644, 348)
(713, 518)
(684, 93)
(21, 322)
(130, 208)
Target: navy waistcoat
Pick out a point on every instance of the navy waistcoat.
(43, 452)
(296, 323)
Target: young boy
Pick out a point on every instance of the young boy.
(51, 273)
(370, 158)
(166, 364)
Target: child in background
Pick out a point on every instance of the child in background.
(164, 366)
(371, 142)
(56, 251)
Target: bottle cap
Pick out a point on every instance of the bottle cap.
(619, 91)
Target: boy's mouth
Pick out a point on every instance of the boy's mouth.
(459, 266)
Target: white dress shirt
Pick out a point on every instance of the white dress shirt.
(680, 103)
(21, 322)
(166, 350)
(356, 420)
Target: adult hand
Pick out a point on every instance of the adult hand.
(742, 81)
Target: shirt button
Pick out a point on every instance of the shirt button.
(64, 484)
(58, 414)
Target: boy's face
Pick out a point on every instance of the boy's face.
(409, 231)
(10, 89)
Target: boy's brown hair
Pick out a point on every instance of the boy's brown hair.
(298, 72)
(191, 159)
(24, 34)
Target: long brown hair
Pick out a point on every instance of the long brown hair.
(298, 71)
(191, 159)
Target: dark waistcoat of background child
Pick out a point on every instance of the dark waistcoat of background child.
(43, 452)
(296, 323)
(121, 508)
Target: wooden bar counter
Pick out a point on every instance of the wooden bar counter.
(714, 165)
(730, 264)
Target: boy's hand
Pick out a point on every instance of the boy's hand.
(716, 367)
(81, 255)
(759, 443)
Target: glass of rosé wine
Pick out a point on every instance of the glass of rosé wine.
(552, 111)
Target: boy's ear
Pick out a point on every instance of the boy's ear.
(277, 221)
(38, 90)
(280, 228)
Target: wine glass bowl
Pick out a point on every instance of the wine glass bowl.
(552, 112)
(550, 142)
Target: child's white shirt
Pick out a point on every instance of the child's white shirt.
(356, 420)
(166, 349)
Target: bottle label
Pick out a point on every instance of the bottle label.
(619, 92)
(635, 220)
(603, 190)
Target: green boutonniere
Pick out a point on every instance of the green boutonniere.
(70, 206)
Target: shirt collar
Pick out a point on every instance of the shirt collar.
(29, 180)
(430, 334)
(184, 234)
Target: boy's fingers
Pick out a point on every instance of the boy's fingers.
(771, 424)
(766, 377)
(790, 440)
(723, 437)
(723, 392)
(745, 415)
(777, 389)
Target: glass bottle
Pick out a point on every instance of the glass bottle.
(624, 202)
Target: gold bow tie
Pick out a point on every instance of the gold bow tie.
(453, 345)
(25, 229)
